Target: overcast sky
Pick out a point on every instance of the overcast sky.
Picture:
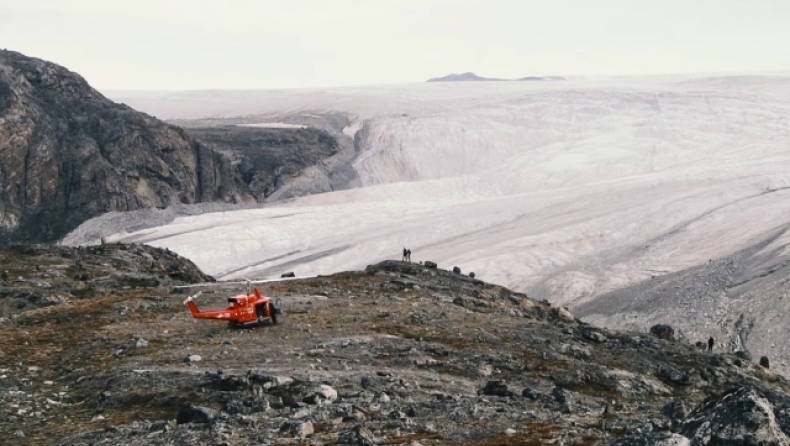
(201, 44)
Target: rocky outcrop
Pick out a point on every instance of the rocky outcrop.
(739, 416)
(67, 154)
(270, 159)
(36, 276)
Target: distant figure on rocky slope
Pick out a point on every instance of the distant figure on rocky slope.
(408, 255)
(710, 344)
(405, 252)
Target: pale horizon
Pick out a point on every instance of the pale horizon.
(148, 45)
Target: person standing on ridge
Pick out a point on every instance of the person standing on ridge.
(408, 255)
(404, 254)
(710, 344)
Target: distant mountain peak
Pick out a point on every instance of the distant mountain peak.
(462, 77)
(472, 77)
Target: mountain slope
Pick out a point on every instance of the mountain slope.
(396, 354)
(68, 154)
(740, 300)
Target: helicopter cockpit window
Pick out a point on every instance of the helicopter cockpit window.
(231, 302)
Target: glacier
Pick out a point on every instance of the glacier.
(563, 189)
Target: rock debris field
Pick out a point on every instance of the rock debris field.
(397, 353)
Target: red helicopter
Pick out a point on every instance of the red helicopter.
(244, 310)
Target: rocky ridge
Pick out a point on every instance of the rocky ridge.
(68, 154)
(397, 354)
(37, 276)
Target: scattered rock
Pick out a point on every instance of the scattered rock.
(496, 388)
(743, 354)
(562, 313)
(663, 331)
(288, 274)
(141, 343)
(472, 275)
(675, 376)
(654, 439)
(194, 358)
(322, 394)
(676, 411)
(456, 270)
(358, 436)
(764, 362)
(530, 393)
(593, 335)
(429, 264)
(383, 398)
(563, 398)
(298, 429)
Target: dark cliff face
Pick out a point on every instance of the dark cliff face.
(67, 154)
(268, 158)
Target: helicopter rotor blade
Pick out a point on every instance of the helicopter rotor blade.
(241, 282)
(192, 297)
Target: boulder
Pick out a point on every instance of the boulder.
(676, 411)
(383, 398)
(358, 436)
(562, 396)
(496, 388)
(456, 270)
(562, 313)
(196, 414)
(321, 394)
(298, 429)
(530, 393)
(268, 382)
(654, 439)
(674, 376)
(764, 362)
(663, 331)
(472, 275)
(429, 264)
(288, 274)
(593, 335)
(743, 354)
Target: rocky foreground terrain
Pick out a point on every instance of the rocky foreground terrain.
(396, 354)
